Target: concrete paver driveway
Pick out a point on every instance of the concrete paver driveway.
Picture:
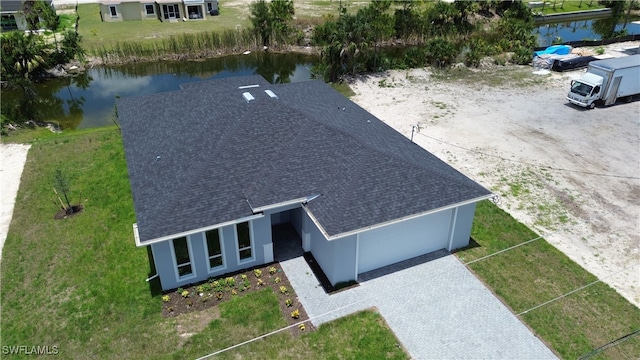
(436, 307)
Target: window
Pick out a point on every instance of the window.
(182, 252)
(214, 249)
(114, 11)
(149, 9)
(243, 237)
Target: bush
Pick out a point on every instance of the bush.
(440, 52)
(522, 56)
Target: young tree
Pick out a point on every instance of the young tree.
(281, 14)
(61, 186)
(261, 20)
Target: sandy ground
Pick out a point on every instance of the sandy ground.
(572, 175)
(12, 160)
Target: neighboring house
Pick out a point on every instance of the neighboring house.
(11, 15)
(164, 10)
(216, 165)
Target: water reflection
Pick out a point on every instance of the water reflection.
(87, 100)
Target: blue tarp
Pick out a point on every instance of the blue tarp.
(555, 49)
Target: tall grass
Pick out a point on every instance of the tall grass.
(181, 46)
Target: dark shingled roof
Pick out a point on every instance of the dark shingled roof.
(204, 155)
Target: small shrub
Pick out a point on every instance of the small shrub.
(295, 314)
(184, 294)
(257, 273)
(272, 270)
(219, 295)
(170, 309)
(200, 289)
(302, 327)
(165, 298)
(260, 282)
(522, 56)
(246, 284)
(277, 280)
(206, 287)
(288, 302)
(244, 277)
(234, 292)
(599, 51)
(284, 290)
(230, 282)
(180, 290)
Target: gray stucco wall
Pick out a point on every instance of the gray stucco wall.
(166, 267)
(336, 257)
(463, 224)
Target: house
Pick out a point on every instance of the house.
(12, 17)
(163, 10)
(217, 164)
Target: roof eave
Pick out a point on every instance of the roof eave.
(394, 221)
(190, 232)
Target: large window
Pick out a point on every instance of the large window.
(150, 9)
(114, 11)
(171, 11)
(243, 234)
(214, 249)
(183, 257)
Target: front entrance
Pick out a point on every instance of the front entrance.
(286, 242)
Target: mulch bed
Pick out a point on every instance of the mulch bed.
(215, 291)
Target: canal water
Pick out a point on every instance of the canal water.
(578, 30)
(87, 100)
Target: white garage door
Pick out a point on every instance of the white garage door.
(401, 241)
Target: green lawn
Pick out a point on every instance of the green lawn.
(79, 283)
(96, 34)
(562, 6)
(537, 272)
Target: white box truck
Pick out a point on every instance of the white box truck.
(606, 81)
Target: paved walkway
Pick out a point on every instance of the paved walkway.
(438, 309)
(12, 159)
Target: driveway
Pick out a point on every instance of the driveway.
(435, 306)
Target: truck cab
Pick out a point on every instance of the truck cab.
(585, 91)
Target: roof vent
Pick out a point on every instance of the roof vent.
(248, 86)
(247, 96)
(271, 94)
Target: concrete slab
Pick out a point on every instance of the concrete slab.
(436, 307)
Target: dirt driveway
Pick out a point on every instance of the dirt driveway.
(572, 175)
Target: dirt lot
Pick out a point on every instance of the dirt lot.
(572, 175)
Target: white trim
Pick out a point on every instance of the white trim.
(357, 254)
(202, 229)
(452, 227)
(302, 200)
(390, 222)
(211, 270)
(136, 235)
(278, 205)
(246, 86)
(193, 274)
(251, 242)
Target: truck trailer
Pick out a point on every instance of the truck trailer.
(606, 81)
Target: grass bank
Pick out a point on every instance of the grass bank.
(537, 272)
(79, 283)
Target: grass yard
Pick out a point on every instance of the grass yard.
(537, 272)
(97, 34)
(79, 283)
(563, 6)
